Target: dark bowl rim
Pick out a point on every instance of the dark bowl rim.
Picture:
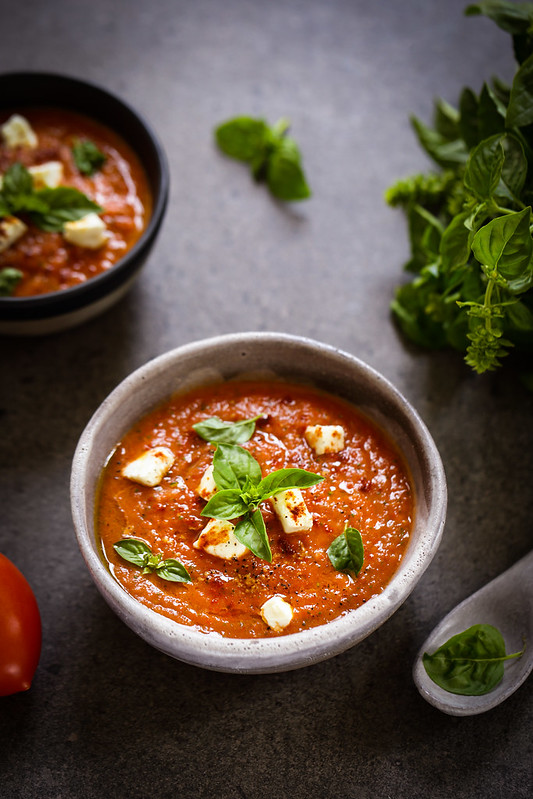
(66, 300)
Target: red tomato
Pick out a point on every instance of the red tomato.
(20, 630)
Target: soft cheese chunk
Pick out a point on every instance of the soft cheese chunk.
(217, 538)
(292, 511)
(325, 438)
(150, 467)
(11, 229)
(89, 231)
(207, 486)
(276, 613)
(48, 175)
(17, 132)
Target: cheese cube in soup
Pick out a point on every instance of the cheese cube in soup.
(17, 132)
(48, 175)
(11, 229)
(277, 613)
(90, 231)
(325, 439)
(207, 486)
(217, 538)
(292, 511)
(150, 467)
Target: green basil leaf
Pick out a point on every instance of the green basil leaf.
(216, 430)
(346, 552)
(284, 174)
(9, 279)
(509, 16)
(225, 504)
(251, 532)
(446, 120)
(505, 244)
(469, 120)
(484, 167)
(447, 154)
(491, 114)
(243, 137)
(173, 571)
(283, 479)
(520, 110)
(64, 204)
(17, 181)
(234, 467)
(87, 157)
(133, 550)
(456, 243)
(469, 663)
(514, 170)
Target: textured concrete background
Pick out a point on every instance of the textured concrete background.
(108, 715)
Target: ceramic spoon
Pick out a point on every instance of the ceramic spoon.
(506, 603)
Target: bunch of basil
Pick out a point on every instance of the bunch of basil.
(470, 223)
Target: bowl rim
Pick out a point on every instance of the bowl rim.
(263, 655)
(66, 300)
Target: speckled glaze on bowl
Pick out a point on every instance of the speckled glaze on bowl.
(59, 310)
(295, 359)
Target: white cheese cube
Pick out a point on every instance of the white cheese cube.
(89, 231)
(207, 486)
(17, 132)
(11, 229)
(217, 538)
(49, 174)
(325, 438)
(277, 613)
(150, 467)
(292, 511)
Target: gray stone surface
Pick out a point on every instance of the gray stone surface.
(108, 715)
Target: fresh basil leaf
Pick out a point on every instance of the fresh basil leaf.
(484, 168)
(233, 467)
(520, 110)
(283, 479)
(514, 170)
(87, 156)
(447, 154)
(505, 244)
(17, 181)
(133, 550)
(225, 504)
(9, 279)
(346, 552)
(456, 242)
(216, 430)
(491, 114)
(509, 16)
(243, 138)
(64, 204)
(284, 174)
(446, 120)
(251, 532)
(469, 663)
(173, 571)
(469, 119)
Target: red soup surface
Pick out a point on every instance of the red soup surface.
(120, 186)
(366, 486)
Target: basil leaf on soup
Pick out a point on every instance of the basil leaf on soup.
(283, 479)
(251, 531)
(217, 431)
(87, 157)
(64, 204)
(9, 278)
(133, 550)
(469, 663)
(234, 467)
(346, 552)
(225, 504)
(173, 571)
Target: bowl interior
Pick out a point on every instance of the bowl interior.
(294, 359)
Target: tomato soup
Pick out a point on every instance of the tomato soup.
(48, 262)
(365, 487)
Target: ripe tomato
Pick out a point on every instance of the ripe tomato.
(20, 630)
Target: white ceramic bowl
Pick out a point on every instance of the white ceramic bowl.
(296, 359)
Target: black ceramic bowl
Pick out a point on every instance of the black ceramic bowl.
(59, 310)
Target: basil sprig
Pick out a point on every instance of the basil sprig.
(9, 278)
(241, 489)
(137, 552)
(346, 552)
(273, 156)
(87, 156)
(216, 430)
(47, 208)
(469, 663)
(470, 221)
